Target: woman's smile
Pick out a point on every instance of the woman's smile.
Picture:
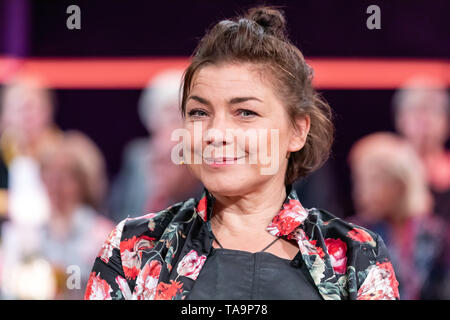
(221, 161)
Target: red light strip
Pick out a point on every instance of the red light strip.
(134, 73)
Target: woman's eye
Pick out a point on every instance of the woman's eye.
(247, 113)
(197, 113)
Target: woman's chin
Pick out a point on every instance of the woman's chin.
(226, 187)
(231, 185)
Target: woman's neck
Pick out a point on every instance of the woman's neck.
(249, 213)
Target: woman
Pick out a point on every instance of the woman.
(235, 242)
(392, 198)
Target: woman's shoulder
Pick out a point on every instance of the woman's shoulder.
(153, 224)
(348, 231)
(358, 253)
(141, 232)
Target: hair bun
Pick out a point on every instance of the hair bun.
(270, 18)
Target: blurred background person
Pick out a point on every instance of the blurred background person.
(27, 130)
(392, 198)
(57, 265)
(421, 109)
(148, 180)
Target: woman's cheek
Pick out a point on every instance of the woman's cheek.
(191, 143)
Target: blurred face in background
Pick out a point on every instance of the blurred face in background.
(376, 193)
(422, 118)
(26, 109)
(159, 112)
(168, 174)
(62, 181)
(236, 96)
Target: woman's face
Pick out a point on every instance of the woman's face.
(232, 106)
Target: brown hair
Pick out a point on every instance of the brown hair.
(260, 38)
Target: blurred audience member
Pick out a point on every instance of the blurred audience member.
(27, 130)
(392, 198)
(56, 263)
(149, 180)
(421, 115)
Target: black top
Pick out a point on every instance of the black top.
(240, 275)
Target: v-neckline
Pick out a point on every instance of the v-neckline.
(243, 252)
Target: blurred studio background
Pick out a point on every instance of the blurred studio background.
(86, 114)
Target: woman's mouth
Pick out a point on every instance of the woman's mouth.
(221, 161)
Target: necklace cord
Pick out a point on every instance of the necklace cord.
(220, 245)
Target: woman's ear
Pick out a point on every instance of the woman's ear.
(299, 133)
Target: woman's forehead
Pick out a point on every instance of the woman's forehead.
(229, 80)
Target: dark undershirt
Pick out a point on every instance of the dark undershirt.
(240, 275)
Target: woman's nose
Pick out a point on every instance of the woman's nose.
(220, 132)
(218, 137)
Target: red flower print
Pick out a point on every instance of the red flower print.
(124, 288)
(201, 208)
(97, 288)
(307, 246)
(131, 254)
(337, 249)
(137, 243)
(166, 291)
(318, 250)
(361, 235)
(380, 283)
(392, 279)
(288, 219)
(190, 265)
(111, 242)
(147, 281)
(293, 205)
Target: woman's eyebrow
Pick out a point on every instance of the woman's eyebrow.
(235, 100)
(199, 99)
(243, 99)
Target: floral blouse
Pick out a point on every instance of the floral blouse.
(160, 255)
